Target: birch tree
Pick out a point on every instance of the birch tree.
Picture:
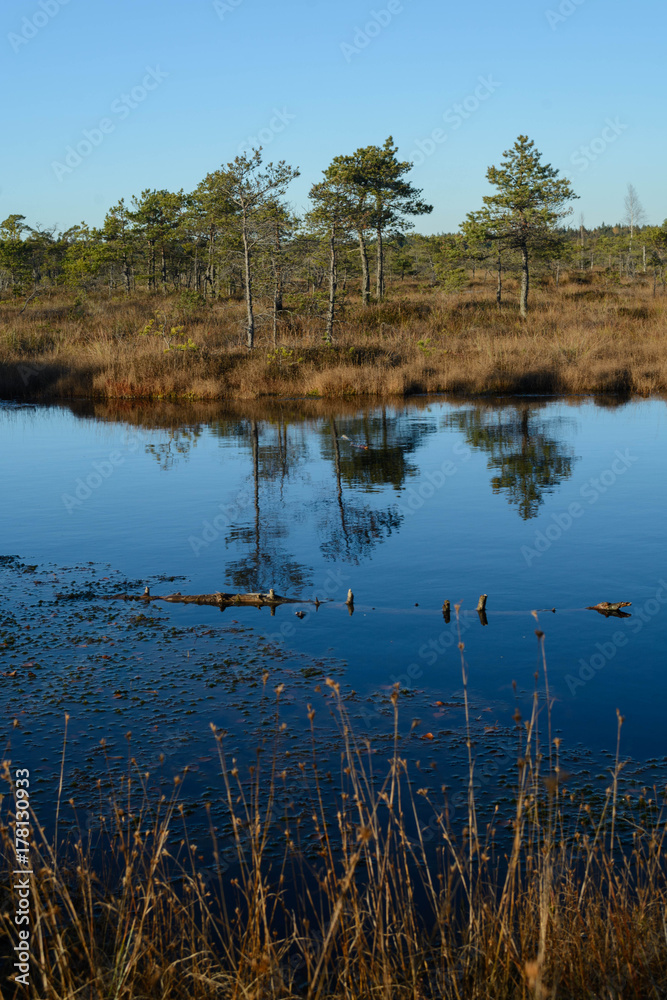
(634, 211)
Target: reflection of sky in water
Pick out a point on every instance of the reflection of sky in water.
(449, 501)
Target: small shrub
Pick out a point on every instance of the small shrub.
(283, 358)
(176, 333)
(190, 301)
(455, 281)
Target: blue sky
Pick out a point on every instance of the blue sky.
(180, 88)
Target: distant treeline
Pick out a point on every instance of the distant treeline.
(235, 234)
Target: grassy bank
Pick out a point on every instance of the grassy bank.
(587, 336)
(357, 895)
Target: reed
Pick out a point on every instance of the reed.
(579, 338)
(349, 898)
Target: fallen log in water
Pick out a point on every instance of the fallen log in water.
(218, 599)
(273, 600)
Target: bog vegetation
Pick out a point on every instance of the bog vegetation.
(224, 291)
(370, 891)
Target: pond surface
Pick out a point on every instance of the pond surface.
(541, 504)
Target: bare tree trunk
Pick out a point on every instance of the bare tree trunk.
(278, 272)
(250, 322)
(163, 269)
(277, 286)
(499, 288)
(208, 274)
(127, 276)
(277, 303)
(151, 268)
(365, 272)
(333, 284)
(525, 281)
(379, 283)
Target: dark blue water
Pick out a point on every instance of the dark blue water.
(538, 503)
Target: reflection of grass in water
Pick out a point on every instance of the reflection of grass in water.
(318, 894)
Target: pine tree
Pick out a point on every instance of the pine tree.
(381, 198)
(525, 212)
(248, 188)
(156, 216)
(333, 218)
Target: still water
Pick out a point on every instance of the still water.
(539, 503)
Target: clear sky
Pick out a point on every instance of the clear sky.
(181, 86)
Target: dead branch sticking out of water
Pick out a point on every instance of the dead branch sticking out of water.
(607, 608)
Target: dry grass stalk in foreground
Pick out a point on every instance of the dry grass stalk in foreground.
(580, 338)
(357, 908)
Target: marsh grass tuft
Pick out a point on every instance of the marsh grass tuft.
(347, 897)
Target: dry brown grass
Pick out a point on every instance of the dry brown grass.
(581, 338)
(349, 901)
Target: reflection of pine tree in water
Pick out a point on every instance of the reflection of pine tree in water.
(389, 443)
(361, 527)
(267, 564)
(528, 462)
(179, 443)
(279, 450)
